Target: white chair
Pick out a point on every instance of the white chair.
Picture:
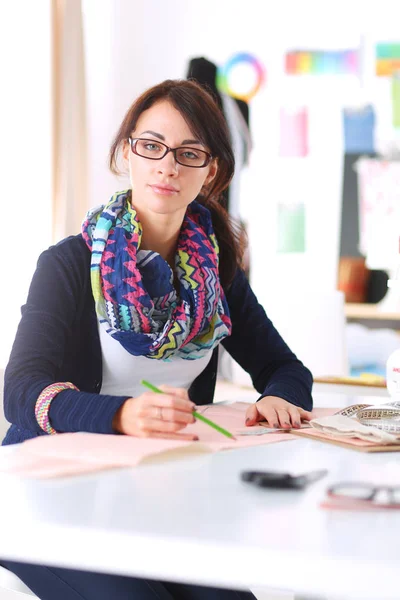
(11, 587)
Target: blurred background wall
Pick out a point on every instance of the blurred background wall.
(131, 45)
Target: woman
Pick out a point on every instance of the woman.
(148, 290)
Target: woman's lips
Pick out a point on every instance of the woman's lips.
(164, 190)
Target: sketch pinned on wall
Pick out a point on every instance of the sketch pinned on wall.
(322, 62)
(293, 132)
(291, 228)
(396, 99)
(379, 210)
(359, 129)
(242, 76)
(387, 58)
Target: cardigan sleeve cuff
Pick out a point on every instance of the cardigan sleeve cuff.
(83, 411)
(289, 393)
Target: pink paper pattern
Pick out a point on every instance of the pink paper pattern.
(69, 454)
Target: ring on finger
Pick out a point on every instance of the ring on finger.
(159, 413)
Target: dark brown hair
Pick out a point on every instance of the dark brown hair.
(206, 121)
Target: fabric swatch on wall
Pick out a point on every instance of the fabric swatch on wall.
(293, 132)
(379, 211)
(291, 228)
(396, 99)
(387, 58)
(359, 125)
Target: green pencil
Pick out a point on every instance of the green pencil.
(196, 415)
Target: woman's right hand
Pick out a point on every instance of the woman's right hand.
(156, 415)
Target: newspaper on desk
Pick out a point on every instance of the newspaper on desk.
(368, 422)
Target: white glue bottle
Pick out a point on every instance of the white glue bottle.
(393, 362)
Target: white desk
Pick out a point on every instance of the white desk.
(228, 391)
(365, 312)
(194, 520)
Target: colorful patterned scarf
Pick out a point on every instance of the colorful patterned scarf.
(142, 310)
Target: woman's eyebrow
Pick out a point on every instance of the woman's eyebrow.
(191, 142)
(161, 137)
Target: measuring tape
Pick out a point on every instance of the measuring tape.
(385, 417)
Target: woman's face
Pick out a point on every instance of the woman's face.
(164, 186)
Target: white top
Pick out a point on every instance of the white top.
(122, 372)
(194, 520)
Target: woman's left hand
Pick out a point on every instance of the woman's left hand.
(277, 412)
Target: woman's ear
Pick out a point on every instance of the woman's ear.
(125, 153)
(212, 172)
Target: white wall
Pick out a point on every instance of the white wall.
(25, 153)
(133, 45)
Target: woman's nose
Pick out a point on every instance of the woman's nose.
(168, 164)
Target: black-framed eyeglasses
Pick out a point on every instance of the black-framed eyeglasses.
(184, 155)
(378, 495)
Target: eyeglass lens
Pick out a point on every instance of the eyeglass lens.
(190, 157)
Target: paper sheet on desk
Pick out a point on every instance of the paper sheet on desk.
(76, 453)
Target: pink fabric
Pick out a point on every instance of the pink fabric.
(351, 441)
(293, 132)
(76, 453)
(69, 454)
(355, 504)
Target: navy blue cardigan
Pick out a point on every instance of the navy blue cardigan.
(57, 340)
